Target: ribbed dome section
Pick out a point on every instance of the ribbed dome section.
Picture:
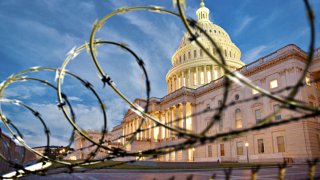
(215, 32)
(191, 67)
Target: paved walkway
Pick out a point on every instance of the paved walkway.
(292, 173)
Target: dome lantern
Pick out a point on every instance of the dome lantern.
(203, 12)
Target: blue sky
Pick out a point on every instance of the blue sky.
(40, 33)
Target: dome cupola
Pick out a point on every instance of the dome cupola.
(191, 67)
(203, 12)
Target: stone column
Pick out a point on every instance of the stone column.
(176, 155)
(160, 127)
(151, 125)
(197, 76)
(137, 126)
(217, 70)
(182, 79)
(173, 84)
(221, 71)
(193, 118)
(185, 154)
(146, 132)
(177, 82)
(189, 78)
(212, 75)
(166, 119)
(205, 74)
(169, 86)
(170, 121)
(184, 114)
(177, 121)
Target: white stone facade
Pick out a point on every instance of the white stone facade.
(191, 93)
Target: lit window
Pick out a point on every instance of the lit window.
(260, 146)
(258, 115)
(184, 81)
(277, 116)
(202, 78)
(280, 143)
(238, 118)
(221, 149)
(239, 148)
(209, 151)
(254, 91)
(308, 81)
(273, 84)
(215, 73)
(194, 78)
(209, 76)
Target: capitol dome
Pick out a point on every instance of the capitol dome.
(191, 67)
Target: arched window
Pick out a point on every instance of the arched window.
(184, 57)
(195, 53)
(238, 118)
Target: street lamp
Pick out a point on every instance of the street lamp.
(247, 145)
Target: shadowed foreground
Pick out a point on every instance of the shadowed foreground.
(293, 172)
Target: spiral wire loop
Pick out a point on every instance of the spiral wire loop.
(192, 139)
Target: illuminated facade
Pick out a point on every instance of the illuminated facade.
(195, 84)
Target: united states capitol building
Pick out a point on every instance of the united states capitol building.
(195, 83)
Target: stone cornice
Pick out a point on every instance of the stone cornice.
(286, 53)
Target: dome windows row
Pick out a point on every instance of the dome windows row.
(194, 54)
(217, 35)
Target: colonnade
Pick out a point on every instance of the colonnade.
(174, 116)
(194, 77)
(178, 115)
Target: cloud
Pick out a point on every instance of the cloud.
(254, 53)
(73, 98)
(24, 92)
(244, 22)
(87, 117)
